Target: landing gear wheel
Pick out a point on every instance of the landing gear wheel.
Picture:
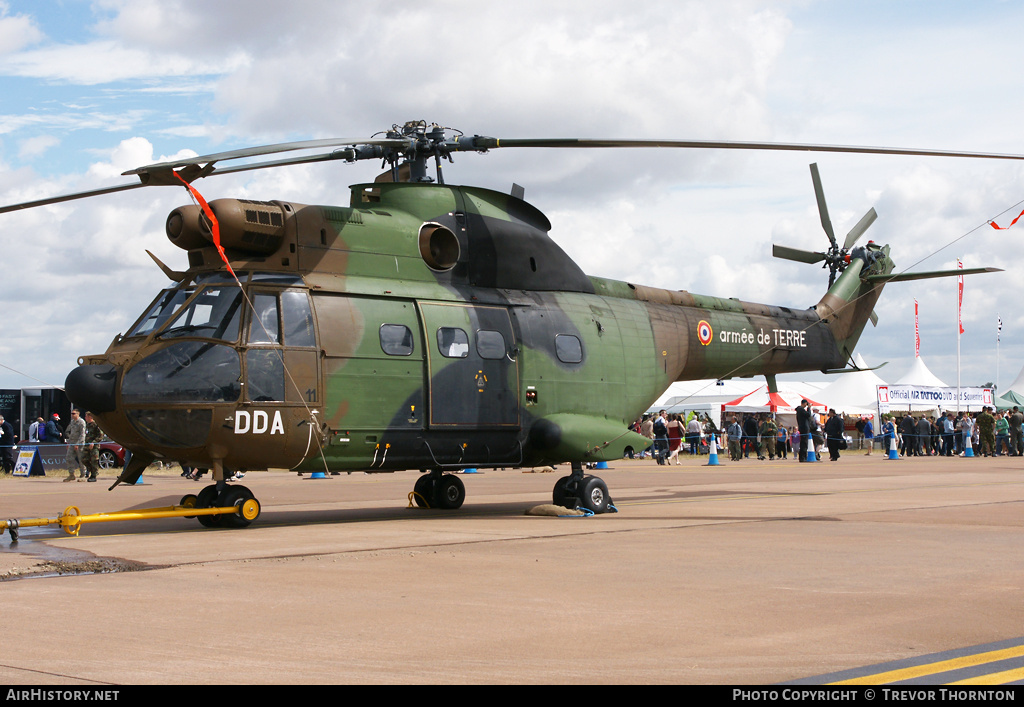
(248, 508)
(424, 491)
(593, 494)
(449, 492)
(207, 499)
(561, 495)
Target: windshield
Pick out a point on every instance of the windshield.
(162, 309)
(214, 313)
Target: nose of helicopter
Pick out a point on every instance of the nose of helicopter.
(93, 387)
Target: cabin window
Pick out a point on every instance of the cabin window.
(452, 342)
(490, 344)
(396, 340)
(568, 348)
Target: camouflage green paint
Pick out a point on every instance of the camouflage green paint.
(584, 356)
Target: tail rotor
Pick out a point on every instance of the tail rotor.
(836, 258)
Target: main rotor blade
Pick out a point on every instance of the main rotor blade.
(265, 150)
(908, 276)
(819, 194)
(68, 197)
(801, 256)
(857, 231)
(486, 143)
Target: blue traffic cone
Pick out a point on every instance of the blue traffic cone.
(893, 451)
(712, 453)
(811, 456)
(968, 449)
(601, 465)
(318, 475)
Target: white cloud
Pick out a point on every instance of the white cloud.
(16, 31)
(36, 146)
(107, 61)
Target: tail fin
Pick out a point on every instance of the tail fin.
(850, 302)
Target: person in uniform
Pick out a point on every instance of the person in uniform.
(986, 432)
(769, 431)
(75, 435)
(93, 437)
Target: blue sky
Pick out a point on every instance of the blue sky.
(89, 89)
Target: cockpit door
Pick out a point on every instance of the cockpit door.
(281, 358)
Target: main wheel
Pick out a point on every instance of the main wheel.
(593, 494)
(450, 492)
(424, 491)
(248, 508)
(207, 499)
(561, 495)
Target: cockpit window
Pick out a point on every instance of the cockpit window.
(163, 309)
(218, 278)
(277, 278)
(292, 309)
(263, 327)
(214, 314)
(298, 319)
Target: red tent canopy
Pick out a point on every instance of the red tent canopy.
(761, 398)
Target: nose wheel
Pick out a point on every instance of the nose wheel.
(246, 508)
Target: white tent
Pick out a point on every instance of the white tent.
(708, 396)
(920, 375)
(702, 394)
(853, 392)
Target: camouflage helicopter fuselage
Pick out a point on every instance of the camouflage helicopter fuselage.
(423, 326)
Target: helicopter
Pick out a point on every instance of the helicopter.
(430, 326)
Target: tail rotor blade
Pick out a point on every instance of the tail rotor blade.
(857, 231)
(819, 193)
(801, 256)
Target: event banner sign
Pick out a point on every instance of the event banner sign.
(901, 397)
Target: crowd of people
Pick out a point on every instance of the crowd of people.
(82, 437)
(986, 433)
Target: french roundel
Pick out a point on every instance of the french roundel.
(704, 332)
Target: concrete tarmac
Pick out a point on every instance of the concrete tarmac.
(750, 572)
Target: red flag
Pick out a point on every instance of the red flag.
(917, 333)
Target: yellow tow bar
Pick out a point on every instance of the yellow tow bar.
(244, 512)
